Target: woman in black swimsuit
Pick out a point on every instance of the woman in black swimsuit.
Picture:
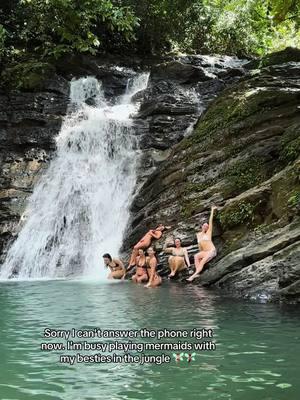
(117, 269)
(141, 273)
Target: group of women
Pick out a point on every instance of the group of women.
(143, 256)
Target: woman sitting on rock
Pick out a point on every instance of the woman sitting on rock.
(179, 260)
(141, 274)
(145, 242)
(154, 278)
(207, 248)
(117, 269)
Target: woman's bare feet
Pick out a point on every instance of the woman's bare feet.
(171, 275)
(191, 278)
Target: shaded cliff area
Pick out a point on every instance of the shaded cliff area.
(242, 156)
(29, 122)
(31, 117)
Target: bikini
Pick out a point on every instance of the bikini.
(211, 253)
(177, 255)
(144, 266)
(116, 267)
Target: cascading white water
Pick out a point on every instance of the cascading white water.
(79, 208)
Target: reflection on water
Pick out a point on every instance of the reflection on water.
(257, 353)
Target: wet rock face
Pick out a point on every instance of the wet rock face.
(178, 92)
(242, 156)
(29, 122)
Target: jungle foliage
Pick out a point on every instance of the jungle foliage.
(48, 29)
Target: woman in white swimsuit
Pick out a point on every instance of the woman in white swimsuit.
(179, 259)
(206, 246)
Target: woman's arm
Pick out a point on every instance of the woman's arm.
(118, 262)
(156, 234)
(186, 256)
(210, 222)
(167, 249)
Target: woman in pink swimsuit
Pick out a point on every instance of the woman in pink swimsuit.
(206, 246)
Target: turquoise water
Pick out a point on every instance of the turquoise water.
(256, 357)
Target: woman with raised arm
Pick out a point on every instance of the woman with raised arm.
(141, 273)
(145, 242)
(206, 246)
(117, 269)
(154, 278)
(179, 260)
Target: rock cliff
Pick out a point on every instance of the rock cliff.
(29, 122)
(211, 132)
(31, 117)
(242, 156)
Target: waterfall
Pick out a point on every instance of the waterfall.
(79, 207)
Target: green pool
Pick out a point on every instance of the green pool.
(256, 356)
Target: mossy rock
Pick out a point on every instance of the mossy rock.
(190, 207)
(290, 54)
(244, 174)
(285, 193)
(235, 111)
(290, 144)
(29, 75)
(294, 200)
(281, 57)
(241, 213)
(191, 187)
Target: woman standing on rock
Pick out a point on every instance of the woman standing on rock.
(154, 278)
(145, 242)
(179, 260)
(117, 269)
(207, 248)
(141, 274)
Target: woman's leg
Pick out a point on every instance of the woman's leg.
(178, 265)
(142, 278)
(140, 245)
(171, 265)
(117, 274)
(133, 257)
(157, 281)
(200, 260)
